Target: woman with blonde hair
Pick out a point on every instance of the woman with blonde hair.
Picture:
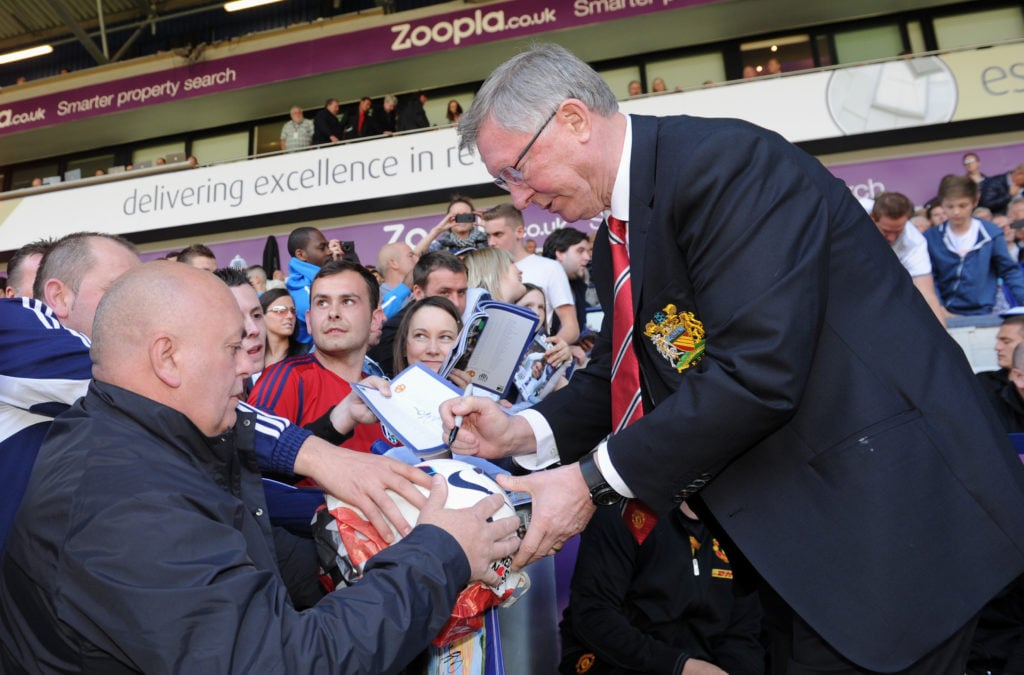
(493, 270)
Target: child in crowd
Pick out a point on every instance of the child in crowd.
(632, 611)
(545, 358)
(968, 254)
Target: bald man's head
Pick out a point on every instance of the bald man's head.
(173, 334)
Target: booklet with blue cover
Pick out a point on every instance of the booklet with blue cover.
(491, 346)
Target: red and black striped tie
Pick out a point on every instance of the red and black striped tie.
(626, 404)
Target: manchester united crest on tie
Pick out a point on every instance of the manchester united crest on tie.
(678, 337)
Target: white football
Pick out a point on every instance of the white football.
(466, 486)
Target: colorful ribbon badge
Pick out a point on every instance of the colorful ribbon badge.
(678, 336)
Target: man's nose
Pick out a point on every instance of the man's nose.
(521, 195)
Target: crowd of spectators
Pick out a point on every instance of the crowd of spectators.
(961, 249)
(309, 332)
(366, 118)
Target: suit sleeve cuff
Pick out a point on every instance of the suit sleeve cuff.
(607, 469)
(547, 452)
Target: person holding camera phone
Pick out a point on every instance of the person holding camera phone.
(456, 232)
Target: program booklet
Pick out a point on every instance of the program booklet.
(491, 345)
(535, 378)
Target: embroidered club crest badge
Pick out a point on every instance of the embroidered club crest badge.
(678, 337)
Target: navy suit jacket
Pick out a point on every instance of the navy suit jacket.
(833, 428)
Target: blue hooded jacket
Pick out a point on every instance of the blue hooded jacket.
(300, 278)
(968, 285)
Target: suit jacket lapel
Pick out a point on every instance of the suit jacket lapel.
(641, 198)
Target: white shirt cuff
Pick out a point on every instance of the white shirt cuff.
(607, 469)
(547, 452)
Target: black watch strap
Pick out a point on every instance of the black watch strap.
(601, 494)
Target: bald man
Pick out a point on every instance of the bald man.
(395, 262)
(45, 367)
(143, 543)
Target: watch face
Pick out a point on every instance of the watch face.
(604, 496)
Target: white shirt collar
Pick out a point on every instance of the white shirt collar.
(620, 191)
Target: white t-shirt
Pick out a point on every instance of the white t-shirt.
(912, 250)
(552, 279)
(963, 243)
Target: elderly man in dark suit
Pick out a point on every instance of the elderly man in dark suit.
(783, 375)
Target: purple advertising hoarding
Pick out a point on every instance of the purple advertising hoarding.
(370, 238)
(918, 176)
(380, 44)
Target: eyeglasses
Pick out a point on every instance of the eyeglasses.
(511, 175)
(280, 309)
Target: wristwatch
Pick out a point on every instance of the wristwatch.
(601, 494)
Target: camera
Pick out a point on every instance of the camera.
(348, 252)
(465, 218)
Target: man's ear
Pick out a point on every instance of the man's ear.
(163, 359)
(417, 292)
(377, 319)
(575, 115)
(301, 255)
(59, 297)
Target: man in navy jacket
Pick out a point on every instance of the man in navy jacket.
(144, 543)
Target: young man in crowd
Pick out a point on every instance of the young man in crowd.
(436, 273)
(891, 211)
(309, 250)
(969, 255)
(22, 267)
(505, 229)
(572, 250)
(199, 256)
(343, 307)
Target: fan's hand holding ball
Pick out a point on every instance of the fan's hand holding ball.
(486, 530)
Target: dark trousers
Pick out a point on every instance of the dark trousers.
(811, 655)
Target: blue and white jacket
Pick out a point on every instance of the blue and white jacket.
(968, 285)
(300, 278)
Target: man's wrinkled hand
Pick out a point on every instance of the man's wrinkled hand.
(561, 509)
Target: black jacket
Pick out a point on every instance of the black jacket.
(144, 546)
(325, 125)
(994, 192)
(647, 607)
(413, 116)
(840, 469)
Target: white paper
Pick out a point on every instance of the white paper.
(412, 411)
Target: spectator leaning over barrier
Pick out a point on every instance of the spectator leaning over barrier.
(891, 212)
